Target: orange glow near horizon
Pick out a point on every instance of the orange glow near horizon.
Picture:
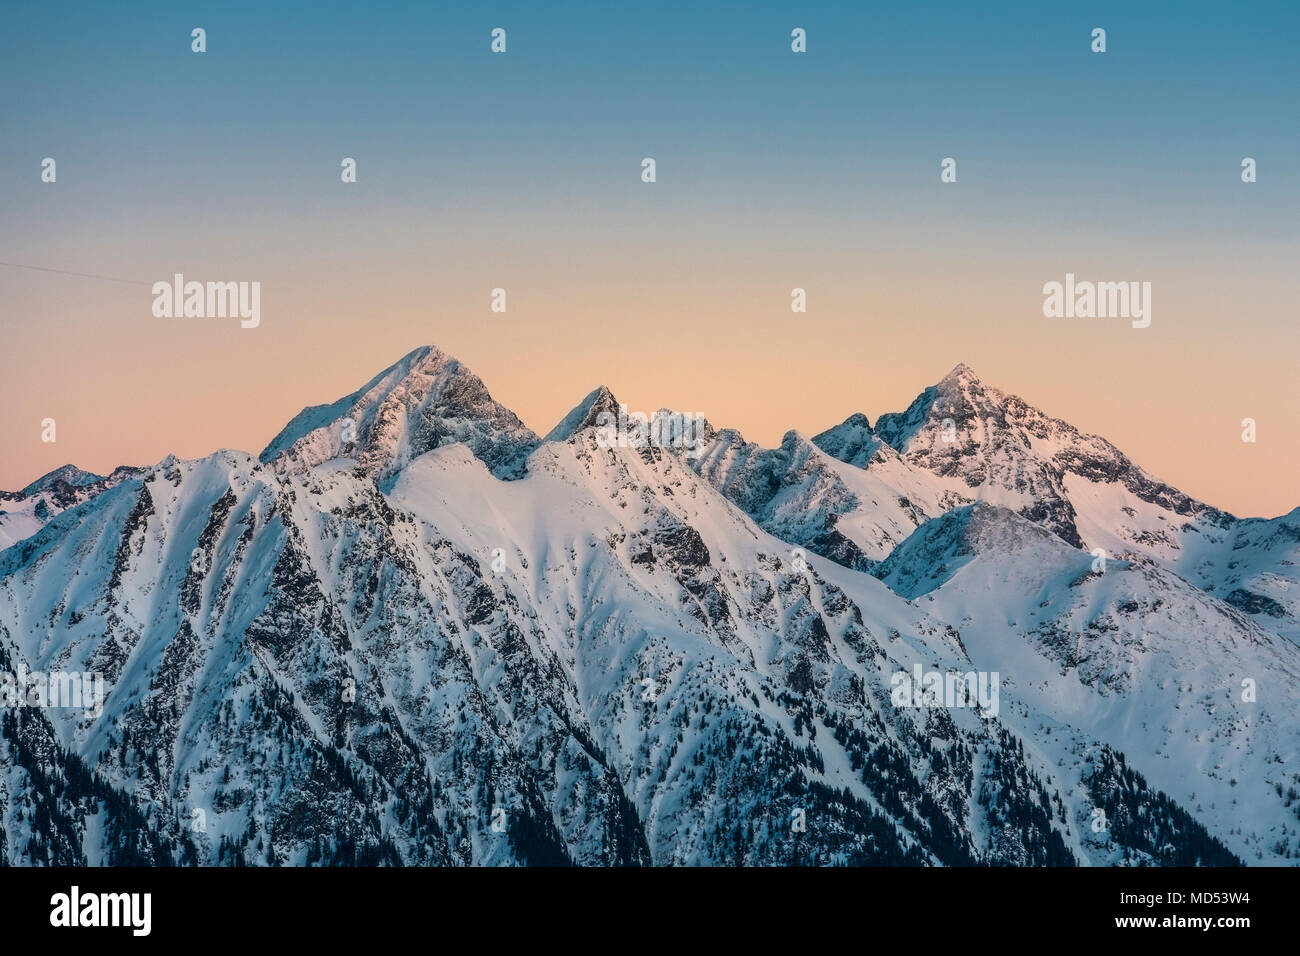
(702, 336)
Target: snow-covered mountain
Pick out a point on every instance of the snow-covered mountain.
(422, 636)
(586, 414)
(23, 513)
(426, 400)
(968, 441)
(1009, 453)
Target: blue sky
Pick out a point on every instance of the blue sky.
(775, 170)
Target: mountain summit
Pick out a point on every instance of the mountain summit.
(852, 441)
(989, 445)
(425, 400)
(586, 414)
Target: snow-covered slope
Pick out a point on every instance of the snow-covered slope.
(1252, 563)
(1204, 702)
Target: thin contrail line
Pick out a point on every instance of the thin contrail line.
(65, 272)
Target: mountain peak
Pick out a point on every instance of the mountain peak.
(852, 441)
(962, 375)
(68, 474)
(424, 400)
(585, 414)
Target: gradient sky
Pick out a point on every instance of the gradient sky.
(775, 170)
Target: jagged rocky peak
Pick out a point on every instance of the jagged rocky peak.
(69, 475)
(799, 449)
(962, 394)
(25, 512)
(853, 440)
(425, 400)
(982, 442)
(673, 430)
(61, 488)
(586, 414)
(958, 397)
(961, 375)
(962, 384)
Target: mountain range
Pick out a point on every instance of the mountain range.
(412, 632)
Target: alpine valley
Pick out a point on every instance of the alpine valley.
(412, 632)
